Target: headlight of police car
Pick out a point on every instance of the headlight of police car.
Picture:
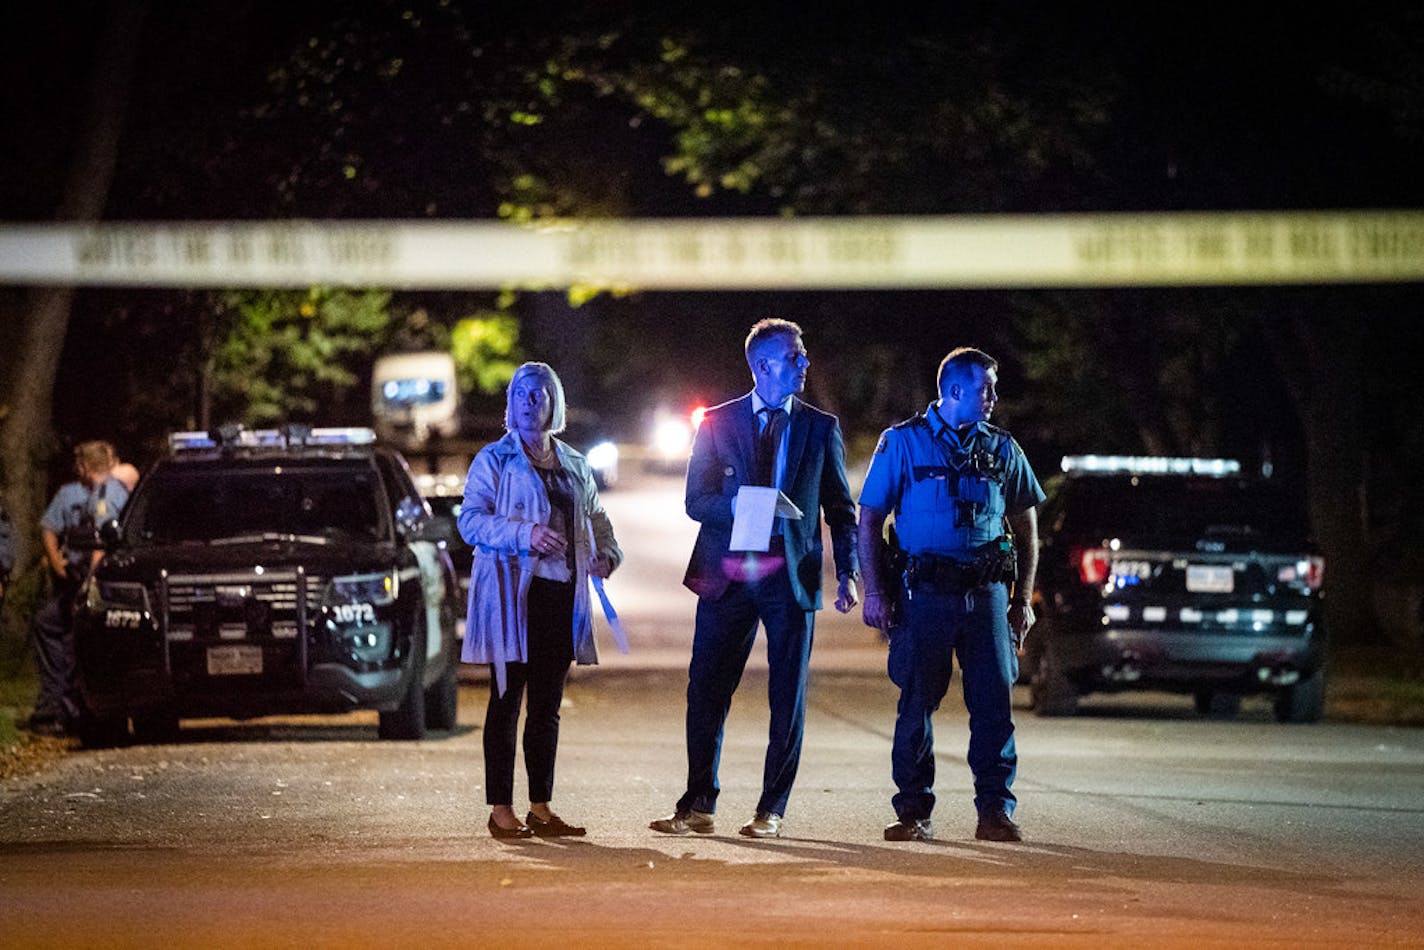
(123, 604)
(351, 603)
(375, 589)
(100, 594)
(603, 455)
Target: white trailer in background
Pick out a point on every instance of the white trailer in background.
(415, 396)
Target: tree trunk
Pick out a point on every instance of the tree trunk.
(1321, 357)
(28, 381)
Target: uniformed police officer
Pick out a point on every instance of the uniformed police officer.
(953, 481)
(76, 511)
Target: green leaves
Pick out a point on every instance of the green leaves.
(280, 355)
(486, 350)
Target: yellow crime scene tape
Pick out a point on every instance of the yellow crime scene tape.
(988, 251)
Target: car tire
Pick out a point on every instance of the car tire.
(102, 732)
(155, 728)
(1223, 707)
(1052, 692)
(442, 701)
(1302, 702)
(406, 723)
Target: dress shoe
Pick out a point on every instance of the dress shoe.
(766, 824)
(996, 825)
(684, 822)
(523, 831)
(915, 829)
(555, 827)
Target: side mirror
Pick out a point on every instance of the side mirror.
(411, 517)
(109, 533)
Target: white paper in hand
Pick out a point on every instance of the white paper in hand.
(786, 508)
(756, 512)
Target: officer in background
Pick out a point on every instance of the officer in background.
(953, 481)
(74, 514)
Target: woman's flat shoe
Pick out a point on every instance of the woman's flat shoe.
(523, 831)
(555, 827)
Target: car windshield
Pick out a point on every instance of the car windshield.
(206, 502)
(1179, 508)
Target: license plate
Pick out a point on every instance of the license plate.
(234, 660)
(1210, 579)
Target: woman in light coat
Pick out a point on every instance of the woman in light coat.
(532, 515)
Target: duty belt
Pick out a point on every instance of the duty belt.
(949, 575)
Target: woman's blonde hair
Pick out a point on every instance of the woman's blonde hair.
(559, 417)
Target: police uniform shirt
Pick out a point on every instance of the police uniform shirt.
(76, 507)
(949, 491)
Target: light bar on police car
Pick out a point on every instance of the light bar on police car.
(269, 438)
(1149, 465)
(344, 435)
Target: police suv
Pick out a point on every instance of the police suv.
(268, 572)
(445, 494)
(1180, 575)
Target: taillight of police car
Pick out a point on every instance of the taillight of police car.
(671, 436)
(1308, 573)
(1093, 565)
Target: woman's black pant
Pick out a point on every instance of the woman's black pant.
(551, 650)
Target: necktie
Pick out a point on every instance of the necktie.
(766, 444)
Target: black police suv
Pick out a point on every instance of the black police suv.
(266, 572)
(445, 494)
(1180, 575)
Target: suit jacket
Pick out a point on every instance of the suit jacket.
(724, 459)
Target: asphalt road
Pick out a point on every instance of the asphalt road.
(1145, 824)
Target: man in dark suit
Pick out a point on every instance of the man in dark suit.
(768, 438)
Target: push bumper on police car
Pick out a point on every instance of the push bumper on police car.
(236, 644)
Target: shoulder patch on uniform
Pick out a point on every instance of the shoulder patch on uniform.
(917, 419)
(995, 430)
(880, 446)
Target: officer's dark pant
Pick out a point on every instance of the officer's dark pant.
(551, 650)
(722, 642)
(937, 625)
(58, 699)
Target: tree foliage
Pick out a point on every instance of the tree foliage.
(280, 355)
(1130, 372)
(867, 116)
(1389, 78)
(486, 350)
